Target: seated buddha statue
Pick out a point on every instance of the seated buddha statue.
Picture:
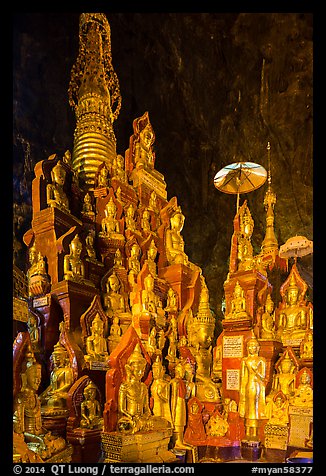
(87, 209)
(144, 156)
(96, 344)
(102, 179)
(118, 169)
(33, 331)
(110, 225)
(118, 260)
(267, 320)
(130, 218)
(36, 274)
(73, 265)
(54, 397)
(115, 334)
(90, 409)
(114, 302)
(293, 318)
(306, 347)
(303, 394)
(27, 417)
(152, 204)
(145, 220)
(279, 410)
(238, 304)
(150, 301)
(55, 194)
(174, 243)
(172, 301)
(133, 399)
(284, 378)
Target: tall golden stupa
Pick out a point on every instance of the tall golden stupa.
(119, 361)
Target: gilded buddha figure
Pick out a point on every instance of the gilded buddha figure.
(174, 242)
(87, 209)
(113, 300)
(279, 410)
(146, 220)
(133, 399)
(293, 319)
(54, 397)
(160, 391)
(307, 345)
(178, 406)
(150, 300)
(89, 245)
(284, 377)
(118, 169)
(144, 156)
(96, 344)
(73, 265)
(133, 264)
(151, 257)
(245, 250)
(130, 218)
(110, 224)
(102, 179)
(252, 388)
(238, 304)
(90, 409)
(27, 418)
(303, 394)
(172, 301)
(55, 194)
(267, 320)
(37, 276)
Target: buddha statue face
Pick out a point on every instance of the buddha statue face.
(203, 336)
(58, 174)
(135, 250)
(278, 402)
(59, 357)
(286, 365)
(157, 370)
(114, 282)
(305, 378)
(179, 371)
(33, 376)
(75, 247)
(194, 408)
(110, 209)
(146, 137)
(97, 326)
(292, 295)
(269, 305)
(152, 251)
(136, 365)
(90, 392)
(177, 221)
(253, 347)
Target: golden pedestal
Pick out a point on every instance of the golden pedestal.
(149, 447)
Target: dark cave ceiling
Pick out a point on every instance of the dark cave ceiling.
(199, 75)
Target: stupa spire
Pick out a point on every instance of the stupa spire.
(270, 242)
(94, 94)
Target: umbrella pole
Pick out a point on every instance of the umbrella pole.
(238, 196)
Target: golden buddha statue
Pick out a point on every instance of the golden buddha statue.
(118, 169)
(178, 406)
(150, 300)
(54, 397)
(133, 399)
(55, 194)
(245, 250)
(293, 319)
(252, 388)
(144, 157)
(89, 245)
(306, 347)
(110, 225)
(102, 180)
(115, 334)
(303, 394)
(37, 276)
(90, 409)
(161, 341)
(189, 380)
(145, 220)
(114, 302)
(133, 264)
(73, 266)
(217, 425)
(152, 205)
(33, 331)
(160, 391)
(279, 410)
(174, 243)
(238, 304)
(118, 260)
(151, 257)
(96, 344)
(151, 346)
(267, 320)
(27, 418)
(284, 377)
(87, 209)
(130, 218)
(172, 301)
